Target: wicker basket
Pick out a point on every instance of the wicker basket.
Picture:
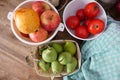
(36, 58)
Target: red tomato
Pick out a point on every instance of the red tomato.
(96, 26)
(86, 22)
(72, 22)
(91, 10)
(80, 14)
(81, 32)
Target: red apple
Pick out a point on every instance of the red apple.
(50, 20)
(39, 35)
(40, 7)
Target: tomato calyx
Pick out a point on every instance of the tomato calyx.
(96, 7)
(96, 27)
(91, 10)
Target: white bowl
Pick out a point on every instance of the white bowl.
(73, 6)
(18, 35)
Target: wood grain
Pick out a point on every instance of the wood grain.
(13, 52)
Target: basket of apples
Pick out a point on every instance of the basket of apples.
(35, 22)
(84, 19)
(57, 58)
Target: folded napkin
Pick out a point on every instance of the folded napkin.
(101, 56)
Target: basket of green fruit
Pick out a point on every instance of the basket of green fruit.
(57, 58)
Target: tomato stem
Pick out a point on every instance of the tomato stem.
(96, 7)
(96, 26)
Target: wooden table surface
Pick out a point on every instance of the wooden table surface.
(13, 52)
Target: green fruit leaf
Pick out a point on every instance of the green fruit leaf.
(41, 49)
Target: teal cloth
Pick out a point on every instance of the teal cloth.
(101, 56)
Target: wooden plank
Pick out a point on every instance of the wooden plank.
(12, 58)
(12, 51)
(14, 69)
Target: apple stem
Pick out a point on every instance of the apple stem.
(36, 30)
(51, 17)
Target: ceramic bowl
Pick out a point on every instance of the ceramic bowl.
(26, 4)
(71, 9)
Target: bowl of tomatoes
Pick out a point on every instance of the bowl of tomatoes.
(84, 19)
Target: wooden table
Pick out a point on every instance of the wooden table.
(13, 52)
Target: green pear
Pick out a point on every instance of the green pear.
(70, 47)
(58, 47)
(56, 67)
(44, 65)
(49, 54)
(71, 66)
(65, 58)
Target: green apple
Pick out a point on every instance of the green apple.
(71, 66)
(44, 65)
(65, 58)
(49, 54)
(57, 68)
(58, 47)
(70, 47)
